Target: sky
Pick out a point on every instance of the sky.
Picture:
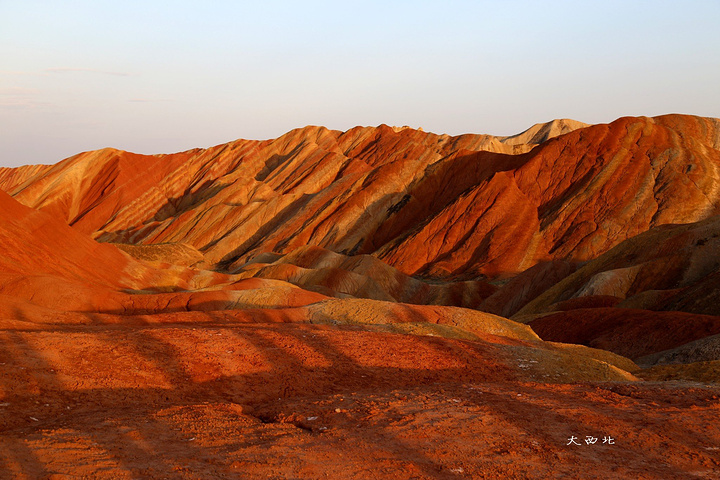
(160, 77)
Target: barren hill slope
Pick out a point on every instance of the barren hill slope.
(423, 203)
(311, 348)
(670, 267)
(35, 242)
(47, 264)
(249, 196)
(571, 198)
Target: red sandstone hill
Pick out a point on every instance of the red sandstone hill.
(653, 298)
(47, 264)
(423, 203)
(189, 313)
(35, 241)
(526, 211)
(55, 278)
(53, 275)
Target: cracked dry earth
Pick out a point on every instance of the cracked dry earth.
(281, 401)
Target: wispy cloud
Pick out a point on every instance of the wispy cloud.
(21, 103)
(18, 72)
(17, 91)
(86, 70)
(20, 98)
(149, 100)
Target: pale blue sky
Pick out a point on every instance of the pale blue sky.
(155, 77)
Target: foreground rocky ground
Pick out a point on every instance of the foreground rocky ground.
(277, 400)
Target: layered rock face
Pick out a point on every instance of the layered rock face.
(425, 204)
(377, 299)
(525, 211)
(54, 277)
(530, 209)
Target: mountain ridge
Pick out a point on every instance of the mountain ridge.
(403, 196)
(344, 299)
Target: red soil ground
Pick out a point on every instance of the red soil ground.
(280, 401)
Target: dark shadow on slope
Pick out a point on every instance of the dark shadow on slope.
(191, 198)
(102, 414)
(265, 230)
